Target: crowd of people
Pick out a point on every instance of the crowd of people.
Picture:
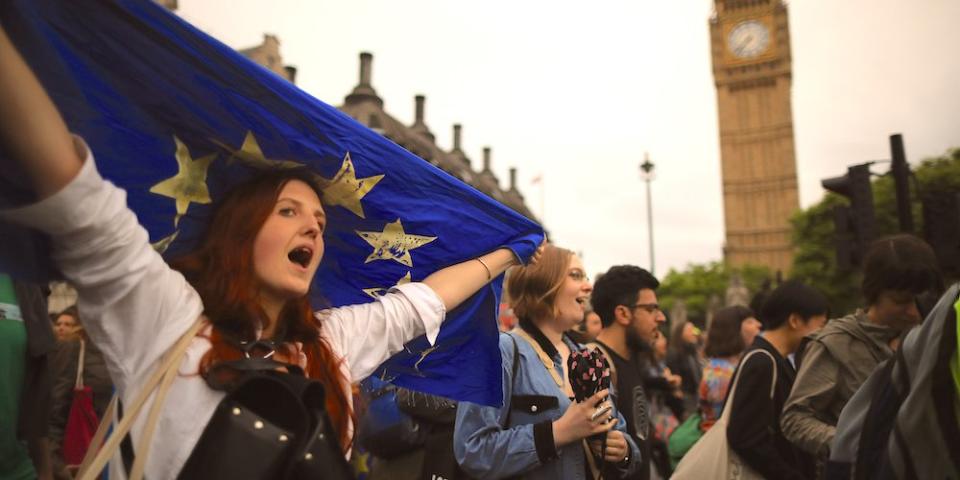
(176, 342)
(769, 425)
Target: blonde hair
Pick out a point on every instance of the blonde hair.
(532, 290)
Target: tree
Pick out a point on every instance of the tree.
(813, 230)
(698, 282)
(815, 260)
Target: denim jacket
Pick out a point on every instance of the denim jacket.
(486, 449)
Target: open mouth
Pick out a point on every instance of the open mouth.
(582, 301)
(301, 256)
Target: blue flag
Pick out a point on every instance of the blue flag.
(177, 118)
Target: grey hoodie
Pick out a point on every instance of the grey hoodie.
(921, 446)
(838, 359)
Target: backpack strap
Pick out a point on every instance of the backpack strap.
(78, 384)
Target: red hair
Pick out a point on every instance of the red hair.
(221, 270)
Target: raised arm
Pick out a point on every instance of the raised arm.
(31, 129)
(136, 307)
(457, 283)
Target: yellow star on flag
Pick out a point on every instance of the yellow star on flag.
(251, 154)
(393, 243)
(423, 356)
(346, 190)
(378, 291)
(164, 243)
(190, 182)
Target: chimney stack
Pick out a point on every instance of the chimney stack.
(456, 136)
(419, 100)
(513, 179)
(418, 124)
(486, 159)
(366, 68)
(291, 73)
(364, 91)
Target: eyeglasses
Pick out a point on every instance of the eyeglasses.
(578, 275)
(651, 308)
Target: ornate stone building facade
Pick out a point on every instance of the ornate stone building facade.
(752, 72)
(268, 55)
(364, 105)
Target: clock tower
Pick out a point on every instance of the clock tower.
(752, 72)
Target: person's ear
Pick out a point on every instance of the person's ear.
(795, 321)
(621, 315)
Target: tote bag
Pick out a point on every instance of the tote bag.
(711, 457)
(82, 422)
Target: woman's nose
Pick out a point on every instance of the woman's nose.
(312, 229)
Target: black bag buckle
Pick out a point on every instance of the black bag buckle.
(269, 347)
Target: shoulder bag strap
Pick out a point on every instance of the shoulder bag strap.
(727, 406)
(513, 379)
(91, 467)
(773, 384)
(544, 358)
(78, 383)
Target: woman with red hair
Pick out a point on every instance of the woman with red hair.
(249, 279)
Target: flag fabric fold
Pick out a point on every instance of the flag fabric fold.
(177, 118)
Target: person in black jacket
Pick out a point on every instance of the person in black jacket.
(789, 313)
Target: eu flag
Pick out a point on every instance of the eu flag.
(176, 118)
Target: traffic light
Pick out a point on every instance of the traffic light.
(901, 181)
(856, 225)
(941, 227)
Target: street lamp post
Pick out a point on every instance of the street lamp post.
(647, 173)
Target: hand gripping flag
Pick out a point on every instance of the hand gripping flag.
(176, 118)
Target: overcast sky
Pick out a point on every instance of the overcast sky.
(579, 91)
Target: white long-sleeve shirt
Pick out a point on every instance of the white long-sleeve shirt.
(135, 307)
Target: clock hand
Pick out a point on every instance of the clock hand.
(742, 46)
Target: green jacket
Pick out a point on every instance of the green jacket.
(836, 361)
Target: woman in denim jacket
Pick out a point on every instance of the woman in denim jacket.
(540, 433)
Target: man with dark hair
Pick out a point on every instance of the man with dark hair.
(839, 358)
(789, 313)
(625, 298)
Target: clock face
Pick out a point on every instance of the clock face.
(748, 39)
